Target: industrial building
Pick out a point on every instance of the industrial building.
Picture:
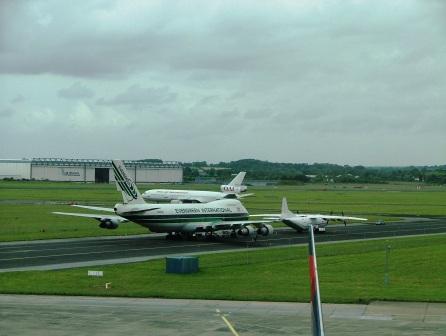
(82, 170)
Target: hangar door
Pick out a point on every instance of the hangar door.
(101, 175)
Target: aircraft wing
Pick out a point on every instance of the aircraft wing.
(340, 218)
(94, 208)
(316, 216)
(99, 217)
(245, 195)
(269, 216)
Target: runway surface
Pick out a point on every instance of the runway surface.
(68, 315)
(66, 253)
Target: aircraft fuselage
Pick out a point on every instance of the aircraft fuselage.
(182, 217)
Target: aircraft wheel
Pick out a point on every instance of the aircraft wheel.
(190, 236)
(209, 235)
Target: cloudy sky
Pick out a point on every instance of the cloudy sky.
(348, 82)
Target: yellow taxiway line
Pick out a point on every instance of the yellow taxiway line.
(234, 332)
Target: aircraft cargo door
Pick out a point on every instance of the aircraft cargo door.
(101, 175)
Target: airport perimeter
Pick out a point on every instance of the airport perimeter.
(350, 272)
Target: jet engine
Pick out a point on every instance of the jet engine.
(247, 230)
(109, 224)
(265, 230)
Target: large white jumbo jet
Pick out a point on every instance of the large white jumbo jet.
(176, 219)
(231, 190)
(301, 222)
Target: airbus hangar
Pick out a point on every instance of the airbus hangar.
(86, 170)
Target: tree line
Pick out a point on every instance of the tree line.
(294, 173)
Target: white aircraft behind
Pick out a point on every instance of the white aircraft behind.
(231, 190)
(235, 186)
(227, 215)
(301, 222)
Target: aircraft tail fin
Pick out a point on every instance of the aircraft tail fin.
(285, 211)
(238, 180)
(130, 193)
(316, 307)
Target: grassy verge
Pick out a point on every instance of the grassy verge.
(349, 272)
(25, 207)
(30, 222)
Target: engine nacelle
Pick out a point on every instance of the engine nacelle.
(265, 230)
(247, 231)
(109, 224)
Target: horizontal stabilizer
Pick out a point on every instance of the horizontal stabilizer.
(245, 195)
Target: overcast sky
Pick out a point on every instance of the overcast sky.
(347, 82)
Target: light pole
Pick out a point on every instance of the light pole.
(386, 271)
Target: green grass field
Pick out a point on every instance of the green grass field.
(25, 207)
(349, 272)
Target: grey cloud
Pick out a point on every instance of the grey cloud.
(285, 42)
(35, 43)
(206, 126)
(18, 99)
(76, 91)
(290, 75)
(261, 113)
(136, 95)
(6, 112)
(210, 99)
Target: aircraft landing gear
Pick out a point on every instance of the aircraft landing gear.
(189, 236)
(319, 230)
(173, 236)
(209, 235)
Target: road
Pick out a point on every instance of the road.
(66, 253)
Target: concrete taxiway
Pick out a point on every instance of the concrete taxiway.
(66, 253)
(56, 315)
